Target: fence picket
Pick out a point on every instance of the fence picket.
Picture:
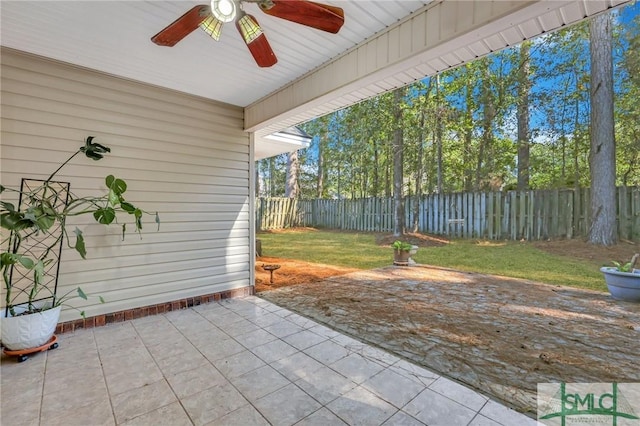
(533, 215)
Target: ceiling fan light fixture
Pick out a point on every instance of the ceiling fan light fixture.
(212, 26)
(223, 10)
(249, 28)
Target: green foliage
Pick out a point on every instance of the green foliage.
(627, 266)
(401, 245)
(509, 259)
(621, 266)
(44, 210)
(460, 128)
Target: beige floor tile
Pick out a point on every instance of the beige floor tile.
(357, 368)
(246, 415)
(393, 388)
(16, 393)
(213, 403)
(66, 363)
(361, 407)
(68, 397)
(286, 406)
(220, 349)
(18, 416)
(459, 393)
(129, 373)
(182, 362)
(273, 351)
(322, 417)
(403, 419)
(135, 402)
(432, 408)
(325, 385)
(304, 339)
(123, 381)
(169, 415)
(169, 348)
(297, 366)
(195, 380)
(238, 364)
(260, 382)
(73, 381)
(98, 414)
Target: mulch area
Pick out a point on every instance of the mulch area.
(498, 335)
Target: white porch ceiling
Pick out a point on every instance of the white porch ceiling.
(114, 37)
(315, 71)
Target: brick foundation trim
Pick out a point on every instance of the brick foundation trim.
(145, 311)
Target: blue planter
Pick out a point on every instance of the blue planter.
(623, 285)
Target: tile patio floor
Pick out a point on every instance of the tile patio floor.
(238, 362)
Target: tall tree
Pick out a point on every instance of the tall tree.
(397, 146)
(293, 169)
(602, 156)
(524, 87)
(438, 136)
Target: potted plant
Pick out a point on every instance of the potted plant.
(401, 252)
(623, 280)
(33, 232)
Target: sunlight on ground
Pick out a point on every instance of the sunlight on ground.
(487, 243)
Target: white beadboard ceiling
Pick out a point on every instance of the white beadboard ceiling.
(114, 37)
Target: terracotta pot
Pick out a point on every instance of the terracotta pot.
(622, 285)
(401, 257)
(29, 331)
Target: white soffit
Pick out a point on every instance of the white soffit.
(287, 140)
(114, 37)
(443, 35)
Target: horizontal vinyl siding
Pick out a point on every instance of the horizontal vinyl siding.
(182, 156)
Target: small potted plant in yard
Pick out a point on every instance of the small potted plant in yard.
(623, 279)
(33, 231)
(401, 252)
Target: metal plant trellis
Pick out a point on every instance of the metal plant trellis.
(37, 245)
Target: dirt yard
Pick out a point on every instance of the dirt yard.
(498, 335)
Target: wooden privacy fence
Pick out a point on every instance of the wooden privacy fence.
(515, 215)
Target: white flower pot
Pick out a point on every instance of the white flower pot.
(622, 285)
(29, 331)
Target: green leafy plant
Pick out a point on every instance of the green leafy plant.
(626, 266)
(401, 245)
(42, 210)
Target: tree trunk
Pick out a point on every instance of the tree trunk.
(291, 187)
(272, 177)
(468, 137)
(419, 173)
(398, 223)
(257, 179)
(321, 165)
(439, 114)
(376, 169)
(524, 87)
(487, 120)
(602, 155)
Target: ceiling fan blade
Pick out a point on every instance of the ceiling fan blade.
(316, 15)
(256, 41)
(182, 27)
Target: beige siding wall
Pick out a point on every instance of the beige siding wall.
(183, 156)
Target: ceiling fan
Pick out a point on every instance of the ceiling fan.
(212, 17)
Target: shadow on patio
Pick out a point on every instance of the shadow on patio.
(498, 335)
(237, 362)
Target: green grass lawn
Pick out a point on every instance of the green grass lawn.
(511, 259)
